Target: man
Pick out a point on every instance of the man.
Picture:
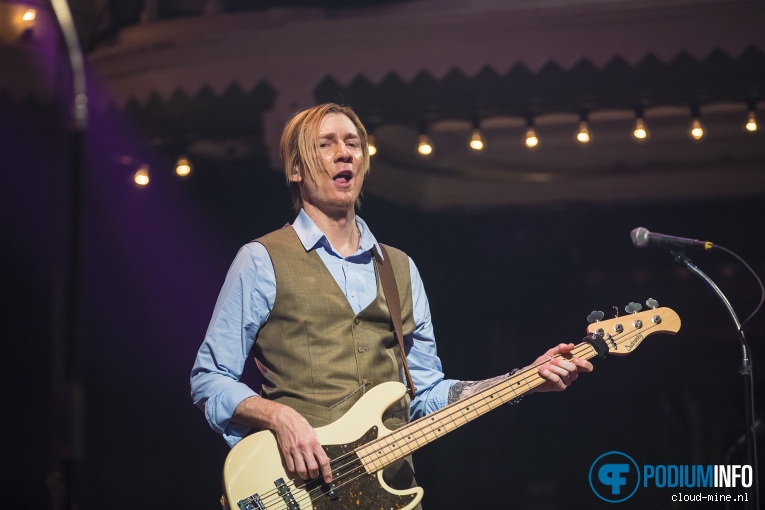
(306, 301)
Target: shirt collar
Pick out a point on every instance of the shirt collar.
(310, 235)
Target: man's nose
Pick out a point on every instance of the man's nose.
(343, 152)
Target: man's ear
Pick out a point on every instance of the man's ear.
(296, 176)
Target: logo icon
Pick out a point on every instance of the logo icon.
(614, 477)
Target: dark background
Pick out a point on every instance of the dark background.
(503, 285)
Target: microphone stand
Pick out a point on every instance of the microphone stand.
(745, 370)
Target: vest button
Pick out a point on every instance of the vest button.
(357, 321)
(363, 349)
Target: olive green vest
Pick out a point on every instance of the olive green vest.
(315, 353)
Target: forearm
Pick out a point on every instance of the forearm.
(260, 413)
(463, 389)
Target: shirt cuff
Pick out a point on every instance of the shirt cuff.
(220, 409)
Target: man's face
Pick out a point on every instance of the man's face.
(338, 184)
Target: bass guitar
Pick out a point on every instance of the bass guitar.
(255, 476)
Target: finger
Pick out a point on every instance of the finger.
(312, 466)
(568, 366)
(554, 381)
(583, 365)
(324, 465)
(288, 460)
(300, 467)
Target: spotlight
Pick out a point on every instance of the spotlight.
(141, 176)
(477, 141)
(183, 167)
(583, 134)
(371, 147)
(425, 146)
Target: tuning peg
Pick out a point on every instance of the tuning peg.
(652, 303)
(595, 317)
(633, 308)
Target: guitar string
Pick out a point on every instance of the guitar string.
(502, 392)
(423, 432)
(478, 404)
(448, 419)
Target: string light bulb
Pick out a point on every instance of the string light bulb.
(583, 134)
(183, 167)
(532, 140)
(477, 141)
(425, 146)
(371, 147)
(640, 132)
(751, 122)
(696, 129)
(141, 176)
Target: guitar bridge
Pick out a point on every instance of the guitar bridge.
(252, 503)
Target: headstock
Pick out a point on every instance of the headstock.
(623, 334)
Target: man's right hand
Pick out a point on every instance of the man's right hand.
(300, 447)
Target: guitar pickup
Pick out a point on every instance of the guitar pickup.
(284, 491)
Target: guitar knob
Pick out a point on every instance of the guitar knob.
(633, 308)
(595, 317)
(652, 303)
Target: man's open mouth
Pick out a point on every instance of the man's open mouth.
(343, 177)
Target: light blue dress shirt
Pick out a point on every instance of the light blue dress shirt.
(246, 300)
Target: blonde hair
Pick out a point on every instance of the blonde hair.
(299, 145)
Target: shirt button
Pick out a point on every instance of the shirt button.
(357, 321)
(363, 349)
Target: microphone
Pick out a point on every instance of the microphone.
(642, 237)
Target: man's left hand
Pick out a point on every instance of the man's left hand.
(559, 372)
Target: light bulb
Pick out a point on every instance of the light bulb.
(532, 140)
(141, 176)
(29, 17)
(371, 147)
(477, 142)
(640, 131)
(583, 135)
(183, 167)
(425, 146)
(696, 130)
(751, 122)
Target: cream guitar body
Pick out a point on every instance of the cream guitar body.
(255, 465)
(360, 446)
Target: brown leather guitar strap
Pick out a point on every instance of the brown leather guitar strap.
(390, 289)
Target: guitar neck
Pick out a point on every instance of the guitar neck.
(386, 450)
